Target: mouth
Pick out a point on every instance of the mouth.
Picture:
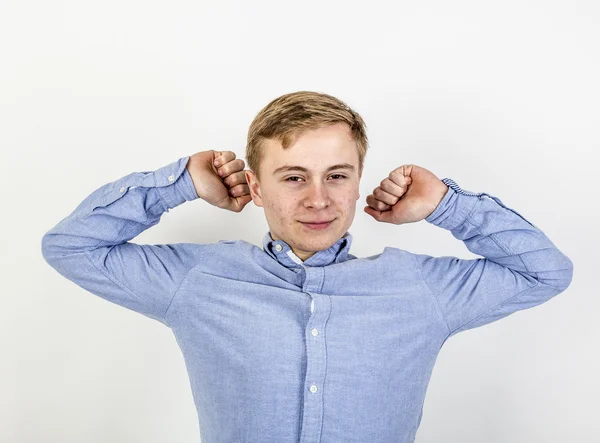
(318, 224)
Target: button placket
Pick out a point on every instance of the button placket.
(316, 355)
(315, 369)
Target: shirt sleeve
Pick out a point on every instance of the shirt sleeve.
(520, 268)
(91, 246)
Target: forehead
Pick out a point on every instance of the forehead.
(314, 149)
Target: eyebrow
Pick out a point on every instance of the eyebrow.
(302, 169)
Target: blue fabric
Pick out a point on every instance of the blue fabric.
(333, 349)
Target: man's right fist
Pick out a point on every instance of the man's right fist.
(219, 179)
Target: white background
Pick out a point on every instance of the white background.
(502, 97)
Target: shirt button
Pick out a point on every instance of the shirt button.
(313, 389)
(278, 247)
(122, 189)
(314, 332)
(171, 178)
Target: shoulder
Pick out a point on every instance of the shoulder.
(388, 253)
(390, 260)
(226, 255)
(392, 271)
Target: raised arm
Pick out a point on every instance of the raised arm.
(521, 267)
(91, 246)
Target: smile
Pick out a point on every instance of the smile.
(317, 225)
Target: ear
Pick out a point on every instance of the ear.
(254, 186)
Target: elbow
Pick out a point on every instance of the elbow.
(567, 277)
(47, 249)
(561, 278)
(553, 272)
(51, 250)
(63, 258)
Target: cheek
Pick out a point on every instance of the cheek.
(348, 198)
(281, 207)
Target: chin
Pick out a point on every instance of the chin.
(318, 242)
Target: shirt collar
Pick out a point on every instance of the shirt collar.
(281, 251)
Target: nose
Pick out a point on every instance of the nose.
(317, 196)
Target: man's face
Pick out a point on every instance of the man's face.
(309, 191)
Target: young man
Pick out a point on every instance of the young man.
(300, 341)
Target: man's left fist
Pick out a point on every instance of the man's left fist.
(409, 194)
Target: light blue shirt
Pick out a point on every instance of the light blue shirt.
(335, 349)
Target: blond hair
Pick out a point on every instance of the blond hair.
(287, 116)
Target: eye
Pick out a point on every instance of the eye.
(340, 176)
(292, 179)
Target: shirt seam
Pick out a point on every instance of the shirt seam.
(166, 205)
(431, 293)
(129, 223)
(327, 301)
(469, 219)
(322, 279)
(496, 307)
(126, 225)
(507, 250)
(113, 279)
(176, 292)
(108, 274)
(498, 242)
